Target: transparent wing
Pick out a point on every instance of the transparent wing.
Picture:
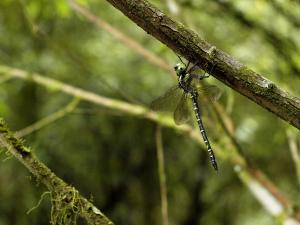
(182, 112)
(195, 69)
(211, 92)
(168, 101)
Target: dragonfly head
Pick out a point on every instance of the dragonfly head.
(179, 69)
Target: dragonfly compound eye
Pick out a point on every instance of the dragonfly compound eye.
(177, 67)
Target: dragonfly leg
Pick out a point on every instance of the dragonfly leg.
(192, 68)
(181, 61)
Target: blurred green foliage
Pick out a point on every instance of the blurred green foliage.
(111, 157)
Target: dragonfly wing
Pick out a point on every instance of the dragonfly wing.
(168, 101)
(195, 69)
(182, 112)
(212, 92)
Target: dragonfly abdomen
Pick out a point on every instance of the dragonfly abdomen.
(203, 132)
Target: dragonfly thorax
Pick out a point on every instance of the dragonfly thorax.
(185, 83)
(184, 78)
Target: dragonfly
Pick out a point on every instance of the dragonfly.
(177, 99)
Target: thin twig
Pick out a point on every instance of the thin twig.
(270, 201)
(292, 140)
(162, 176)
(49, 119)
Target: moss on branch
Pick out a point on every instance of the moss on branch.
(67, 203)
(221, 65)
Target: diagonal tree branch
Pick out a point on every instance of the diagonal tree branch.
(221, 65)
(67, 203)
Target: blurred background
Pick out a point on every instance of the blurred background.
(111, 156)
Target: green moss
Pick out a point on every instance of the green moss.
(66, 205)
(12, 140)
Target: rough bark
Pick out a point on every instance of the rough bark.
(221, 65)
(67, 203)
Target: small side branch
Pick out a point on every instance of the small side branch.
(162, 176)
(49, 119)
(221, 65)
